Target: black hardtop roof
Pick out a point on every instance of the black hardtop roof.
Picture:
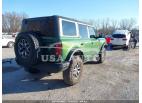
(57, 16)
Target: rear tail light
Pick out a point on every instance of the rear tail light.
(124, 39)
(58, 49)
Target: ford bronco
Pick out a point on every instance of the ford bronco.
(55, 43)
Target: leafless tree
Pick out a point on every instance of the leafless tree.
(127, 23)
(11, 21)
(114, 24)
(96, 24)
(107, 25)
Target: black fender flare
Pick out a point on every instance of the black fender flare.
(74, 51)
(103, 46)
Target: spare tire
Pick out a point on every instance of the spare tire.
(26, 49)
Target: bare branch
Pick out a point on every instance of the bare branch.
(11, 21)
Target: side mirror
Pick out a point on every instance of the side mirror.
(92, 36)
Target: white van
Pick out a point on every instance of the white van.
(121, 38)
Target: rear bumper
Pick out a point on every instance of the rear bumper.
(114, 45)
(119, 42)
(51, 67)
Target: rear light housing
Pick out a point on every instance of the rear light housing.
(58, 49)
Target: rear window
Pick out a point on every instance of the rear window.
(118, 36)
(83, 31)
(69, 28)
(43, 25)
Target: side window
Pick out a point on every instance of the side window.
(83, 31)
(69, 28)
(91, 31)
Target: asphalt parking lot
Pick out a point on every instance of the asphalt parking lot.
(116, 79)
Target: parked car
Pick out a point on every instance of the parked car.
(7, 42)
(108, 41)
(122, 38)
(108, 38)
(133, 41)
(55, 43)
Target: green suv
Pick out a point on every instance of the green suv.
(55, 43)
